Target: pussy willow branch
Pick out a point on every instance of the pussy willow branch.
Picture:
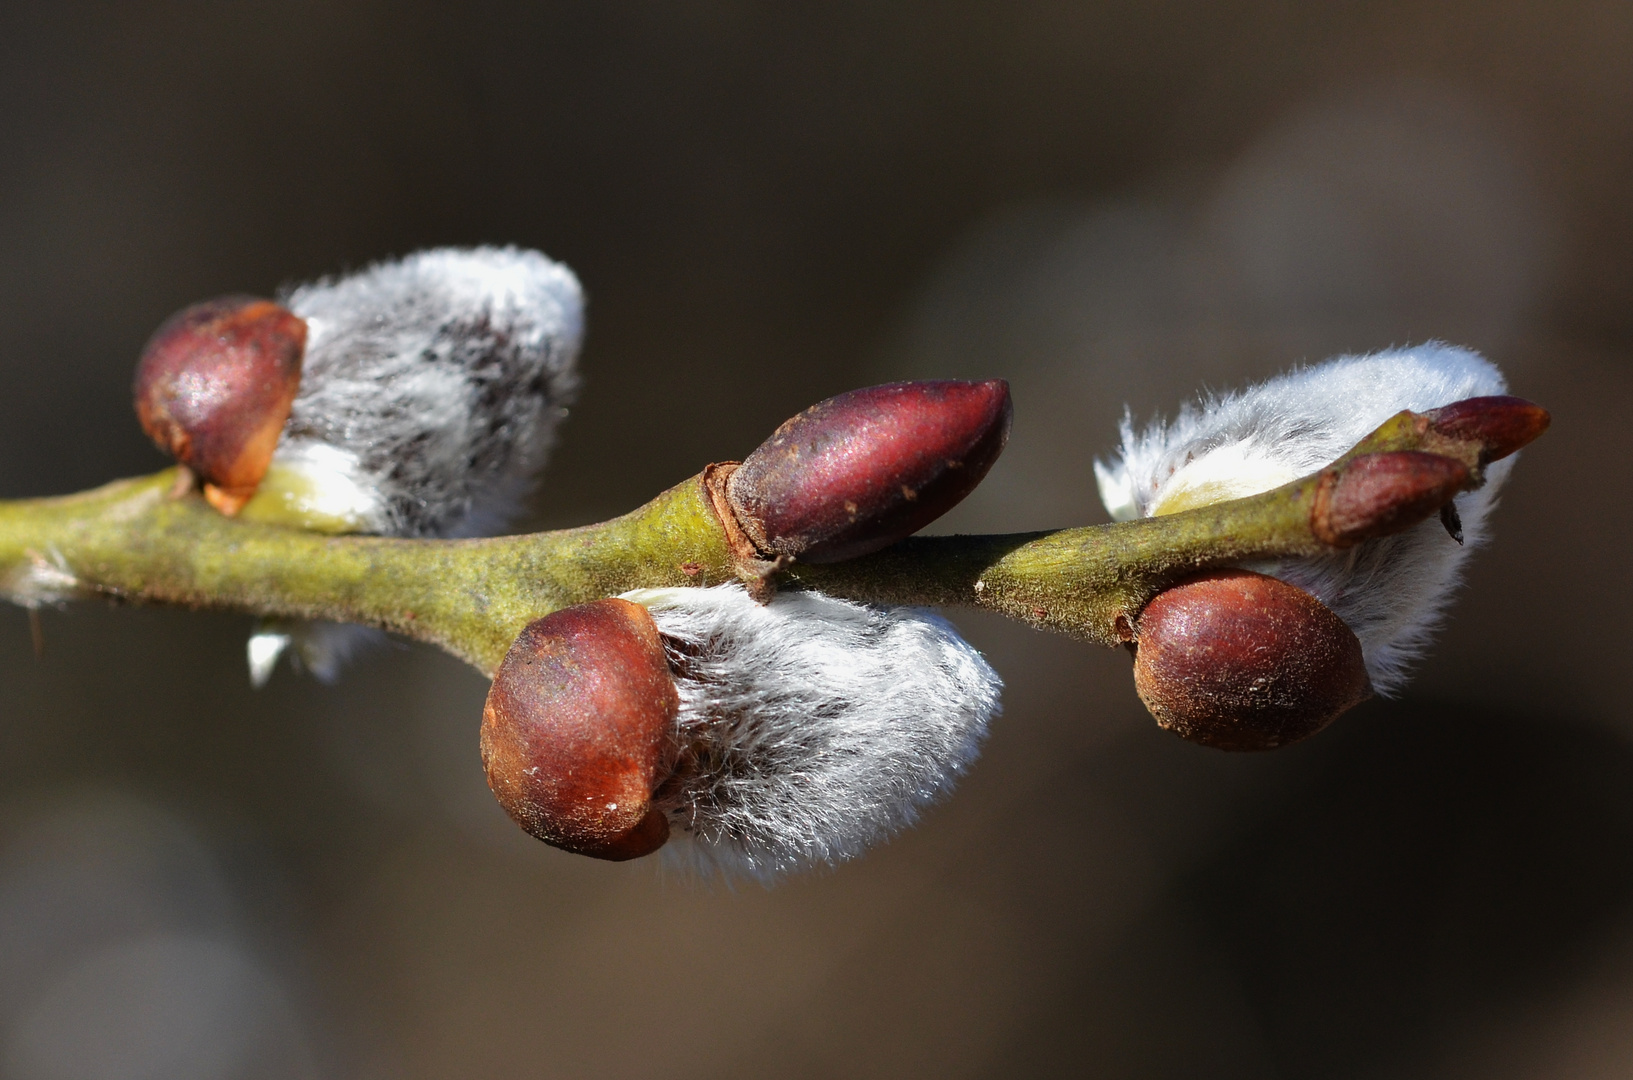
(132, 540)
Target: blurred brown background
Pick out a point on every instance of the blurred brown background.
(1106, 203)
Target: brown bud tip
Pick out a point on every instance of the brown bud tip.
(860, 471)
(1501, 425)
(1240, 661)
(214, 387)
(1378, 494)
(577, 730)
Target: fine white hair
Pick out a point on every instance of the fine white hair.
(41, 581)
(320, 648)
(1392, 591)
(810, 727)
(429, 399)
(443, 376)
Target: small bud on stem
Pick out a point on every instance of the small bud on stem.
(214, 387)
(578, 730)
(1500, 424)
(858, 472)
(1241, 661)
(1378, 494)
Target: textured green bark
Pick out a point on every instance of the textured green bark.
(132, 540)
(471, 597)
(1076, 581)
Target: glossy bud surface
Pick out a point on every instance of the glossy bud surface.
(1501, 425)
(858, 472)
(214, 387)
(1241, 661)
(578, 730)
(1378, 494)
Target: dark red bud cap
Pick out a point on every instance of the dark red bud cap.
(1240, 661)
(1378, 494)
(214, 387)
(578, 730)
(1501, 425)
(860, 471)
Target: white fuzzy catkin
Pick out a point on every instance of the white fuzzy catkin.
(813, 727)
(1390, 591)
(442, 376)
(429, 399)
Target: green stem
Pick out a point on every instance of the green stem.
(1087, 582)
(132, 541)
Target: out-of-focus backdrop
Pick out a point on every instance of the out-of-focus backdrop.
(1106, 203)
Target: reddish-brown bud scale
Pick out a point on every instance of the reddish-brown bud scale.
(578, 730)
(214, 387)
(858, 472)
(1378, 494)
(1501, 425)
(1241, 661)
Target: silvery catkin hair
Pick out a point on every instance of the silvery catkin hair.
(1389, 591)
(429, 399)
(812, 728)
(436, 383)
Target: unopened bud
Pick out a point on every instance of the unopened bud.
(858, 472)
(214, 387)
(578, 730)
(1379, 494)
(1500, 424)
(1241, 661)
